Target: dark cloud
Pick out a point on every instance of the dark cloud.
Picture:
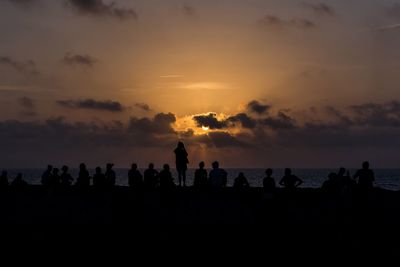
(244, 120)
(377, 115)
(209, 120)
(27, 102)
(272, 21)
(257, 107)
(188, 10)
(27, 67)
(280, 122)
(345, 133)
(161, 124)
(219, 139)
(143, 106)
(105, 105)
(28, 106)
(76, 59)
(99, 8)
(320, 8)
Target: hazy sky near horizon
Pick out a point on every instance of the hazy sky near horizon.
(253, 83)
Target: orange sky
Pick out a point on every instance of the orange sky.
(195, 57)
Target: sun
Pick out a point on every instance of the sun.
(205, 128)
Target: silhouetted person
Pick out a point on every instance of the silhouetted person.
(135, 178)
(200, 177)
(55, 178)
(218, 177)
(165, 176)
(19, 182)
(66, 178)
(241, 182)
(347, 183)
(99, 179)
(3, 179)
(83, 180)
(46, 176)
(332, 186)
(181, 162)
(110, 175)
(151, 177)
(269, 182)
(365, 176)
(290, 181)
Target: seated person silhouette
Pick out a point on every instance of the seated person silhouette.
(19, 182)
(99, 179)
(135, 178)
(290, 181)
(66, 178)
(165, 176)
(3, 179)
(332, 186)
(46, 176)
(83, 180)
(218, 177)
(365, 176)
(200, 177)
(151, 177)
(110, 175)
(241, 182)
(269, 182)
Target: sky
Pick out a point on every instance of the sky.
(250, 83)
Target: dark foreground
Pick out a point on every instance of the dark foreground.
(304, 222)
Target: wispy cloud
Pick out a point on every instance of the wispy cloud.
(387, 27)
(101, 105)
(25, 67)
(272, 21)
(99, 8)
(320, 8)
(77, 59)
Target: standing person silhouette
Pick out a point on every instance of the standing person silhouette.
(83, 180)
(366, 177)
(181, 162)
(290, 181)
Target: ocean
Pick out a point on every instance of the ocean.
(313, 178)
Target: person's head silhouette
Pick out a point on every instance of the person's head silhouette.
(365, 165)
(82, 166)
(342, 171)
(64, 168)
(288, 172)
(49, 167)
(215, 165)
(202, 165)
(268, 172)
(241, 175)
(98, 170)
(134, 166)
(166, 167)
(109, 166)
(151, 166)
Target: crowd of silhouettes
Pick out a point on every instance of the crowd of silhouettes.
(216, 179)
